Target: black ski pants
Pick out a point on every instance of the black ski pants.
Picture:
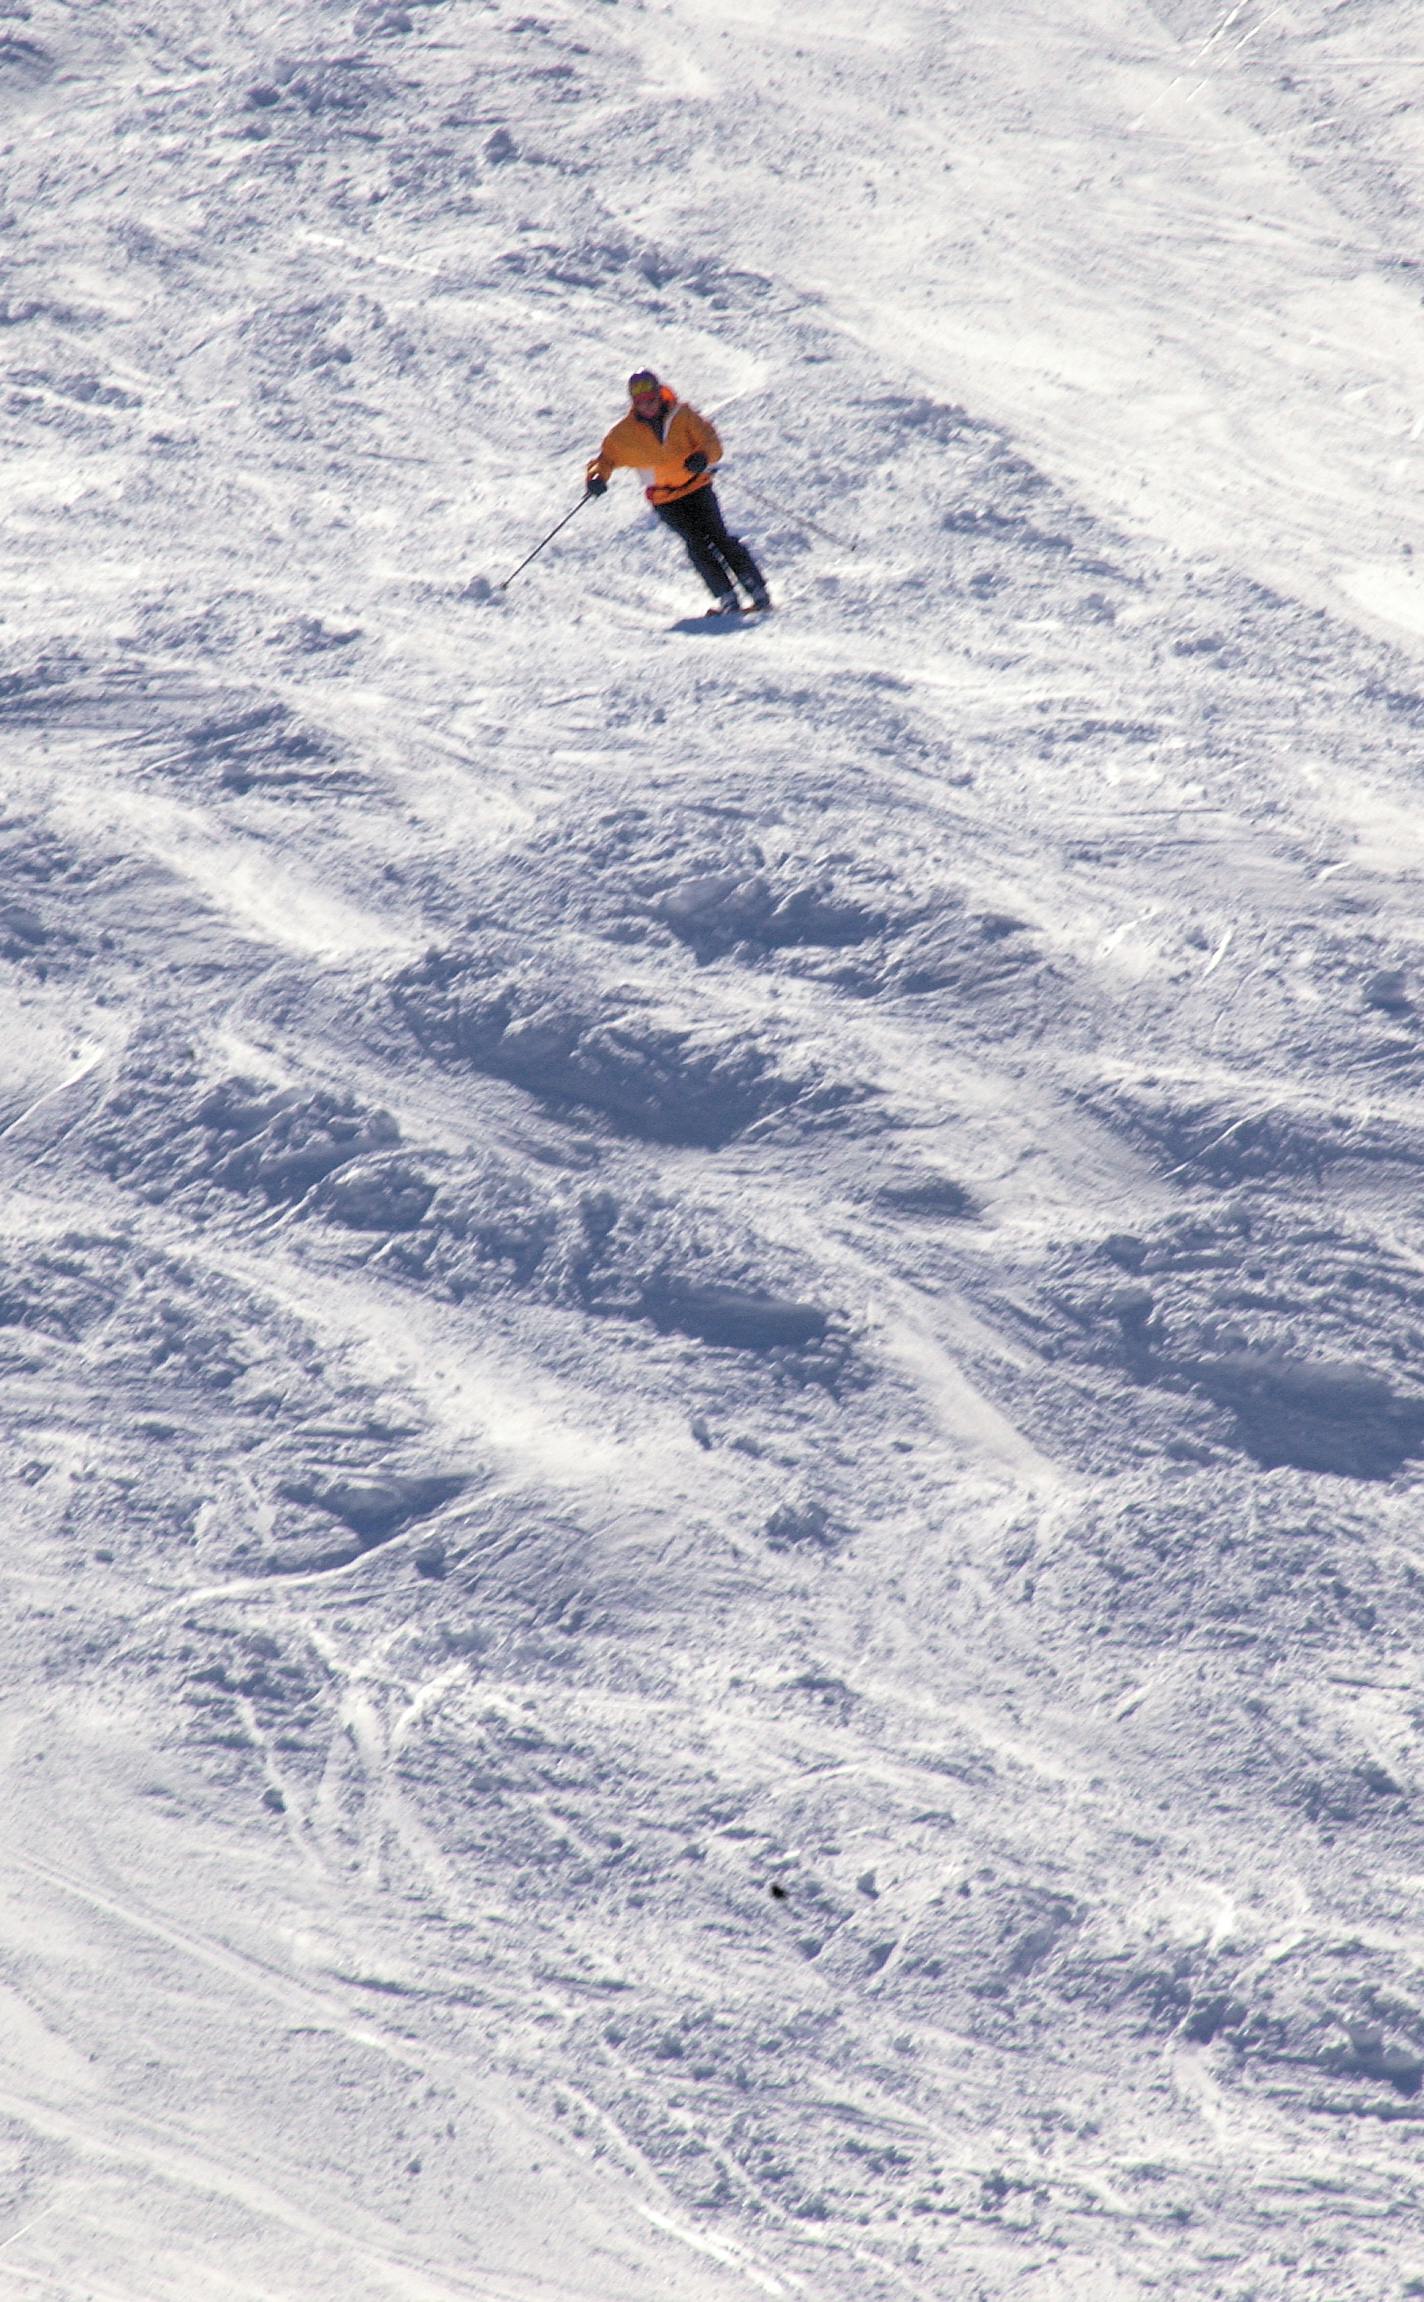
(720, 559)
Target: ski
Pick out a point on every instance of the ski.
(715, 620)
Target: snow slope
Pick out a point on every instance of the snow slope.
(712, 1346)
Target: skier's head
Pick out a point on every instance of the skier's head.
(644, 390)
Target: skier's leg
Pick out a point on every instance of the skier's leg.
(682, 517)
(747, 573)
(730, 549)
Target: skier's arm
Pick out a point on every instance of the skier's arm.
(704, 440)
(602, 466)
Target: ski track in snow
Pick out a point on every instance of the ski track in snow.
(712, 1344)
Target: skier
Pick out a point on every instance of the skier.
(673, 449)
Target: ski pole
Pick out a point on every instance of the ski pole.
(548, 539)
(784, 512)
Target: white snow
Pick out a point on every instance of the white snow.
(711, 1344)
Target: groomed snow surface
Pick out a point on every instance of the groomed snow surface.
(712, 1344)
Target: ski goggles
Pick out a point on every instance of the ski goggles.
(641, 384)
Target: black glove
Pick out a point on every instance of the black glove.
(596, 485)
(696, 463)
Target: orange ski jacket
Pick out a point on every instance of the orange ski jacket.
(661, 464)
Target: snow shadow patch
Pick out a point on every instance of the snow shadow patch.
(182, 726)
(1199, 1137)
(981, 957)
(737, 1318)
(129, 697)
(1306, 1339)
(492, 1230)
(23, 63)
(657, 1080)
(871, 943)
(39, 876)
(1291, 2024)
(371, 1506)
(375, 1194)
(638, 877)
(697, 874)
(986, 1951)
(298, 91)
(714, 911)
(260, 747)
(1313, 1414)
(928, 1196)
(62, 1291)
(841, 918)
(1008, 530)
(173, 1132)
(31, 695)
(1220, 1559)
(147, 1351)
(280, 1143)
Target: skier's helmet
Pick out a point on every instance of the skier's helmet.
(642, 383)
